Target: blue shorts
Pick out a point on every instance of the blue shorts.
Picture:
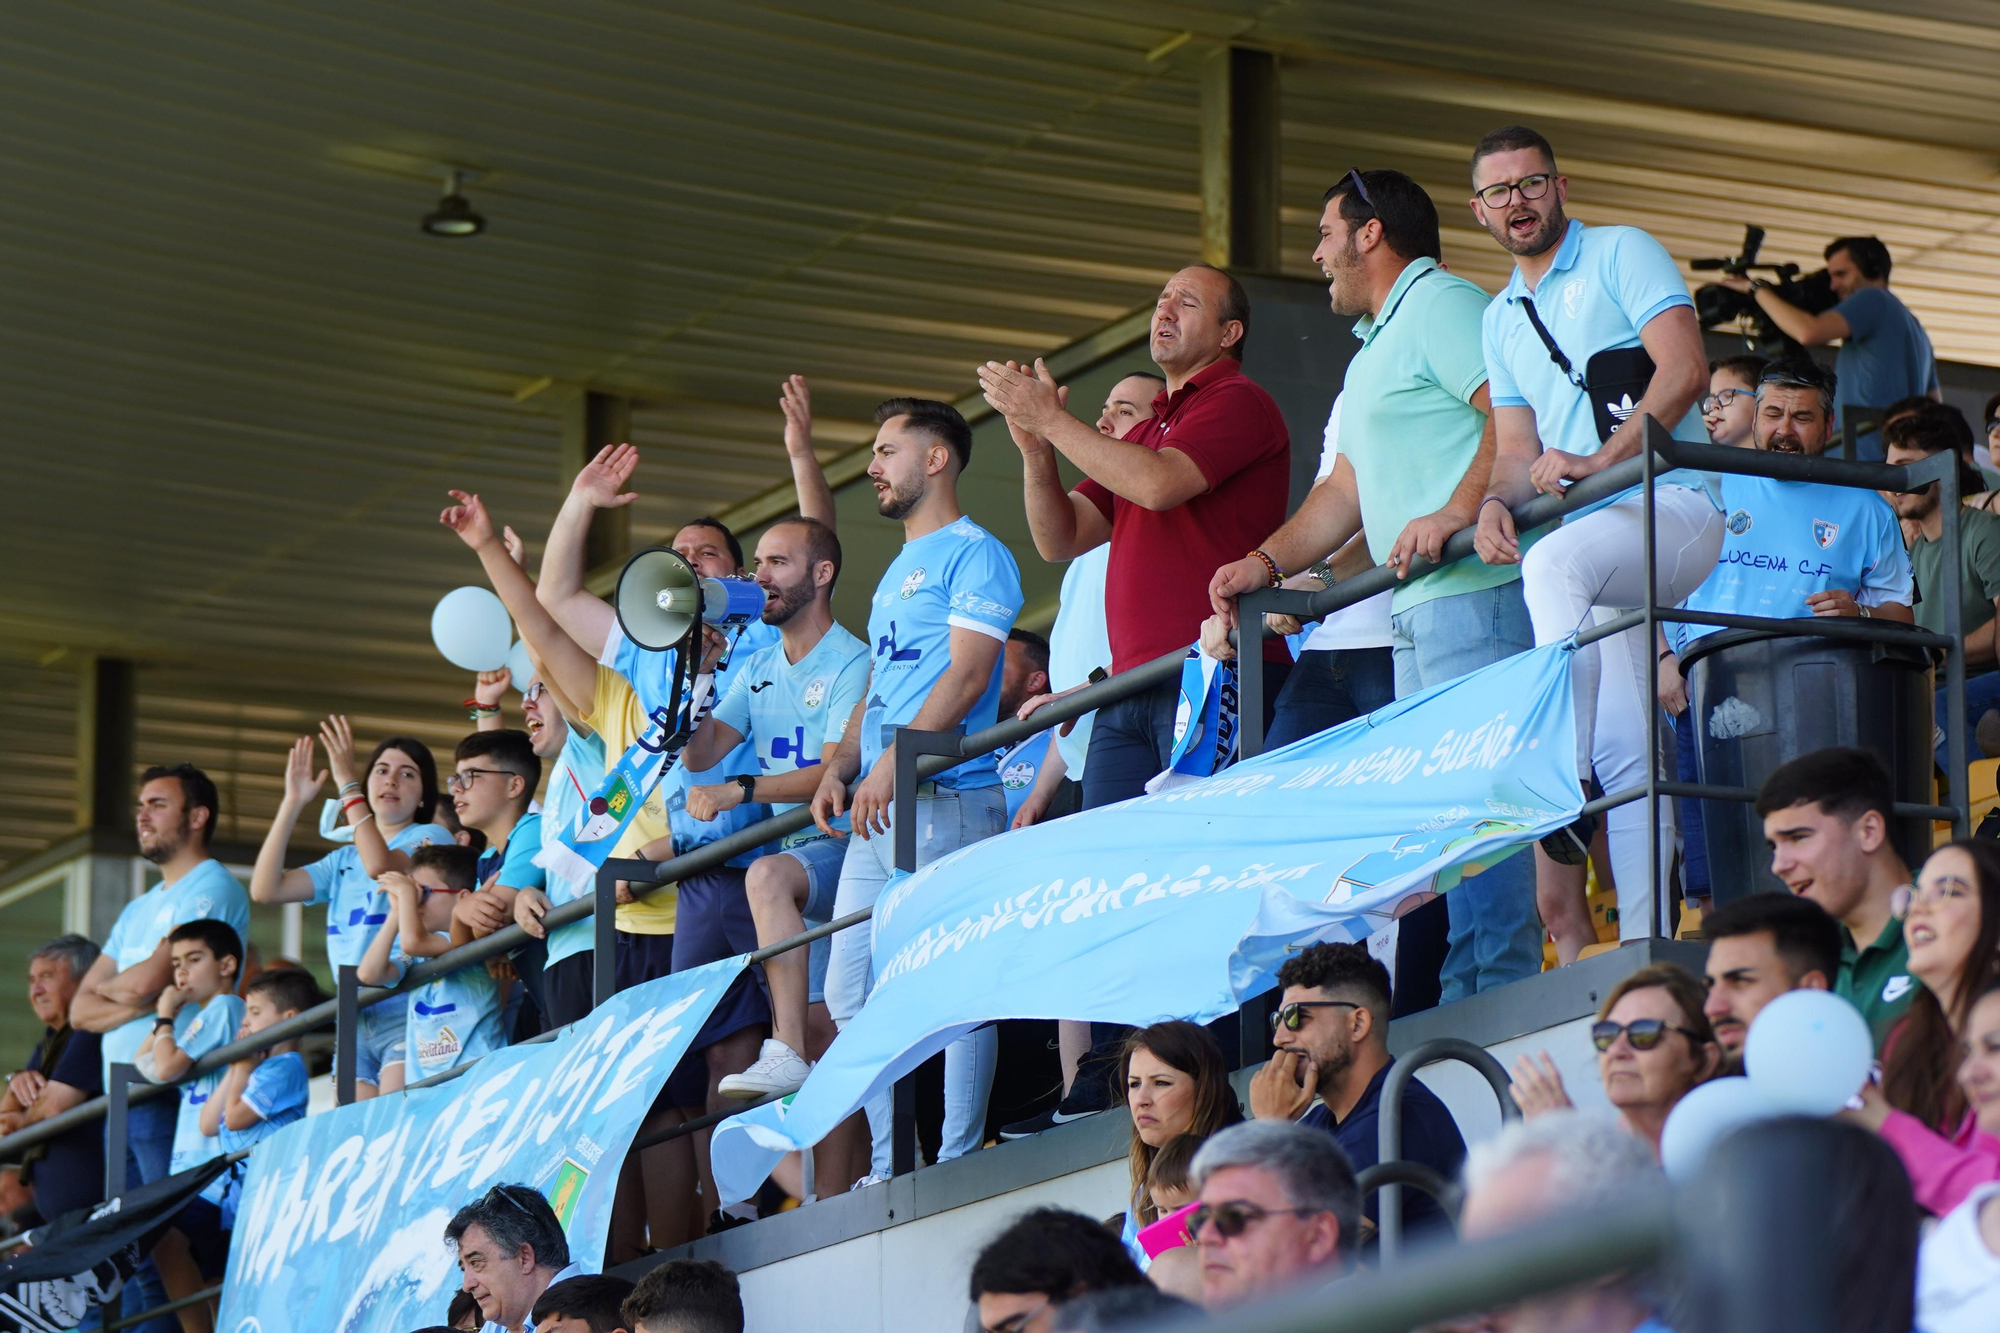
(822, 858)
(380, 1038)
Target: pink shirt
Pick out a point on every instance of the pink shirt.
(1943, 1171)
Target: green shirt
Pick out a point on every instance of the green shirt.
(1407, 424)
(1979, 573)
(1877, 980)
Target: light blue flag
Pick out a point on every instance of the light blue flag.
(342, 1215)
(1182, 904)
(1205, 721)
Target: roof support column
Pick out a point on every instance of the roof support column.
(106, 755)
(592, 420)
(1240, 160)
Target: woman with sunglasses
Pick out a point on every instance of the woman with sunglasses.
(1958, 1269)
(387, 806)
(1654, 1046)
(1952, 927)
(1176, 1082)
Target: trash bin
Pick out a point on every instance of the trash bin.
(1760, 699)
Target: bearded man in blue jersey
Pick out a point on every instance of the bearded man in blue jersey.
(937, 628)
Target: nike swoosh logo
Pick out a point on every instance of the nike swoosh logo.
(1059, 1118)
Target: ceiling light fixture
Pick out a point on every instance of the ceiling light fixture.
(453, 216)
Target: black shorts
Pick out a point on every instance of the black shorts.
(712, 922)
(642, 958)
(569, 987)
(201, 1222)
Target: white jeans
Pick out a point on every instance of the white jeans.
(945, 822)
(1586, 572)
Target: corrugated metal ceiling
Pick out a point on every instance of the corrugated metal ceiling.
(235, 380)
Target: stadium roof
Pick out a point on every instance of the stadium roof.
(237, 379)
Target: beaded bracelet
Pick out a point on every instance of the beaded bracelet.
(1277, 575)
(347, 787)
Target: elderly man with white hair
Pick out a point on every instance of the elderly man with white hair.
(1563, 1162)
(1279, 1206)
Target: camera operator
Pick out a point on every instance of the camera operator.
(1884, 352)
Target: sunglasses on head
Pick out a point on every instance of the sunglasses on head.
(1292, 1017)
(1233, 1218)
(1643, 1033)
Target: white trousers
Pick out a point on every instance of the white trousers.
(1586, 572)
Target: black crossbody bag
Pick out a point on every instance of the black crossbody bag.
(1613, 381)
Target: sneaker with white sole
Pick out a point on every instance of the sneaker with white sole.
(870, 1179)
(779, 1072)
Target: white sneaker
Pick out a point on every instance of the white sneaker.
(779, 1072)
(872, 1178)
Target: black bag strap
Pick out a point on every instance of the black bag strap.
(1555, 352)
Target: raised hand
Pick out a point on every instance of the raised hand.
(301, 782)
(1028, 399)
(1537, 1086)
(491, 686)
(517, 550)
(469, 519)
(603, 479)
(338, 740)
(795, 400)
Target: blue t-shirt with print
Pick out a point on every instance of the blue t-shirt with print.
(355, 908)
(958, 577)
(1019, 767)
(651, 675)
(789, 711)
(199, 1029)
(1886, 356)
(453, 1019)
(276, 1090)
(513, 864)
(1606, 284)
(207, 891)
(1783, 541)
(578, 770)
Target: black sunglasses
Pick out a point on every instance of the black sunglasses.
(1798, 375)
(1643, 1033)
(1232, 1219)
(1292, 1017)
(1361, 188)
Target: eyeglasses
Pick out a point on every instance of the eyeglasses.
(1531, 187)
(1014, 1323)
(1722, 398)
(1234, 1218)
(1798, 375)
(1930, 895)
(534, 691)
(465, 777)
(1293, 1016)
(1360, 188)
(500, 1192)
(1643, 1033)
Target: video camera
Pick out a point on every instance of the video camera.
(1717, 305)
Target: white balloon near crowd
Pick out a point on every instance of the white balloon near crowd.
(471, 628)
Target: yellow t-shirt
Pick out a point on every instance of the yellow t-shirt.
(616, 715)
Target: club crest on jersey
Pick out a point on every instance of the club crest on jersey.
(1825, 533)
(815, 694)
(1739, 522)
(1017, 776)
(912, 582)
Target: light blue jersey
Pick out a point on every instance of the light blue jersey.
(1019, 767)
(1606, 284)
(453, 1020)
(355, 908)
(578, 770)
(199, 1029)
(208, 890)
(276, 1090)
(651, 675)
(1079, 643)
(959, 577)
(1786, 540)
(789, 711)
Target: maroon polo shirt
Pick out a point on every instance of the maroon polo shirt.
(1156, 588)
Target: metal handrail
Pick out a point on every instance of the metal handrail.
(1389, 1130)
(1401, 1172)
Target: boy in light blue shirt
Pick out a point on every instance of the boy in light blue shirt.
(1594, 333)
(453, 1019)
(263, 1092)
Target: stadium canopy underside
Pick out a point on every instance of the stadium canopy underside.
(238, 379)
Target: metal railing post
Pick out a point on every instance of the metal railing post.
(910, 745)
(118, 1126)
(1946, 465)
(1251, 629)
(1389, 1135)
(604, 937)
(346, 1034)
(1650, 707)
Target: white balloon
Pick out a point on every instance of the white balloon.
(1704, 1117)
(520, 668)
(470, 627)
(1808, 1052)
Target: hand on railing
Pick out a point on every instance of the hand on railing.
(530, 906)
(1494, 539)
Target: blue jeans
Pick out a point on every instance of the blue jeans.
(1694, 844)
(1327, 687)
(1132, 740)
(1495, 935)
(1981, 693)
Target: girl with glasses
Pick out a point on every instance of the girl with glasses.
(1654, 1046)
(1952, 927)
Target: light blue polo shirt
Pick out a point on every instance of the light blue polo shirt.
(199, 1029)
(1606, 284)
(789, 711)
(355, 908)
(1079, 643)
(208, 890)
(453, 1020)
(1407, 424)
(578, 770)
(1783, 541)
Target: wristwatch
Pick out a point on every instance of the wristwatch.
(161, 1020)
(748, 782)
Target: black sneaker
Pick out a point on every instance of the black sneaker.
(1065, 1111)
(1570, 845)
(719, 1222)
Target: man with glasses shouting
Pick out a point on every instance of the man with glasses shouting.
(1594, 334)
(1279, 1207)
(1331, 1032)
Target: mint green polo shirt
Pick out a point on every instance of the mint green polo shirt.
(1407, 424)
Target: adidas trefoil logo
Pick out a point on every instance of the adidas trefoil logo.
(1622, 409)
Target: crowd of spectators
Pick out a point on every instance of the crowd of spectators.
(1456, 408)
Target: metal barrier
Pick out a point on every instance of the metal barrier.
(1389, 1132)
(1402, 1172)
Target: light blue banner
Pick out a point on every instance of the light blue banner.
(342, 1222)
(1181, 904)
